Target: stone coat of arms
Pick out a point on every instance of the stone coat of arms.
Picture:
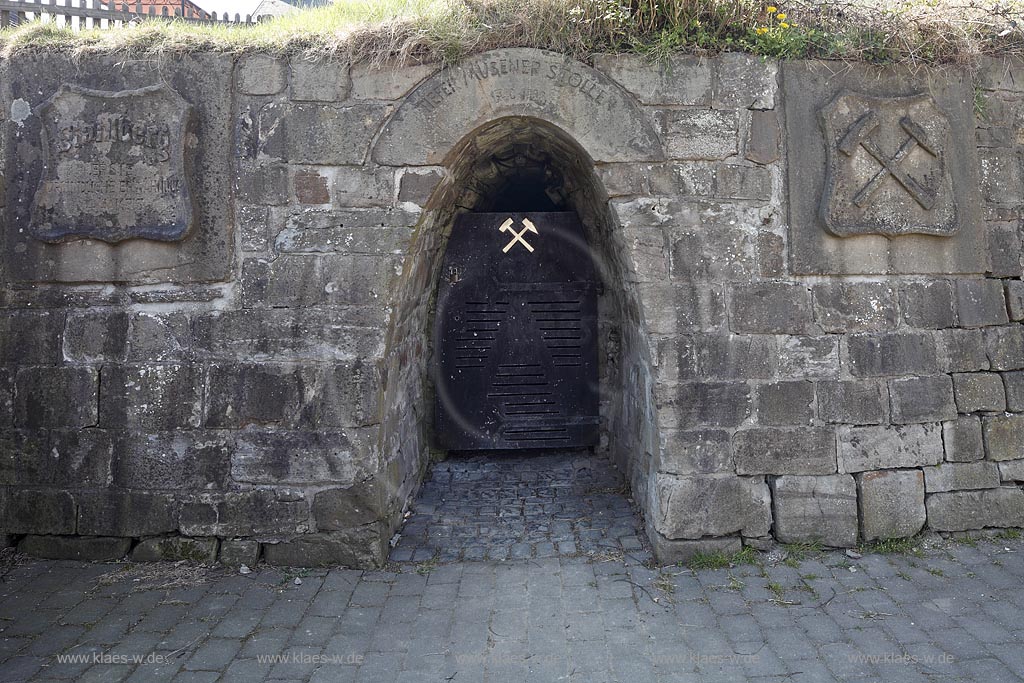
(887, 170)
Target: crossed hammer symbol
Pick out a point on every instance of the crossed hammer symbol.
(857, 136)
(518, 236)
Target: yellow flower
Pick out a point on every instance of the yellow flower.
(782, 15)
(783, 24)
(772, 9)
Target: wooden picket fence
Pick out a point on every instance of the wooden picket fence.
(88, 14)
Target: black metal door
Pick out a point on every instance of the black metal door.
(516, 334)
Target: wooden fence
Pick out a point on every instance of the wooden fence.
(87, 14)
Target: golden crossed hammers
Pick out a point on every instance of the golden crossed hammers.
(518, 236)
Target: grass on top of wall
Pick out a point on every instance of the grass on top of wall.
(918, 31)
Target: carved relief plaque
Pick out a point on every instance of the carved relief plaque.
(887, 167)
(116, 166)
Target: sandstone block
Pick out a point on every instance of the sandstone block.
(962, 439)
(360, 548)
(711, 505)
(769, 450)
(1014, 383)
(55, 397)
(922, 399)
(962, 351)
(42, 511)
(891, 503)
(957, 476)
(859, 402)
(175, 548)
(928, 305)
(1011, 470)
(318, 81)
(82, 548)
(705, 451)
(785, 403)
(1004, 437)
(1005, 347)
(980, 303)
(965, 510)
(809, 356)
(809, 509)
(127, 513)
(771, 308)
(679, 79)
(153, 396)
(895, 353)
(855, 307)
(979, 392)
(261, 75)
(700, 133)
(877, 447)
(669, 551)
(238, 551)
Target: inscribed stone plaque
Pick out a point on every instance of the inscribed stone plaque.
(882, 170)
(115, 166)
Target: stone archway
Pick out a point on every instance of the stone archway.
(477, 120)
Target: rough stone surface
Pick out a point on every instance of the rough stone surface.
(815, 509)
(922, 399)
(980, 303)
(964, 510)
(84, 548)
(236, 552)
(711, 505)
(175, 548)
(955, 476)
(1004, 437)
(261, 75)
(962, 439)
(892, 503)
(853, 402)
(871, 448)
(979, 392)
(768, 450)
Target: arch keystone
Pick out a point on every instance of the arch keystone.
(523, 82)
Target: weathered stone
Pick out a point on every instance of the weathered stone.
(310, 186)
(922, 399)
(892, 503)
(855, 306)
(1004, 436)
(253, 225)
(261, 75)
(979, 391)
(745, 82)
(711, 505)
(176, 548)
(361, 548)
(710, 356)
(318, 81)
(1015, 299)
(700, 134)
(1005, 250)
(279, 457)
(963, 440)
(248, 513)
(54, 397)
(785, 403)
(418, 184)
(871, 448)
(149, 396)
(815, 509)
(6, 398)
(1005, 347)
(1014, 383)
(771, 255)
(699, 253)
(38, 511)
(980, 303)
(155, 337)
(706, 179)
(670, 551)
(682, 307)
(706, 404)
(344, 395)
(387, 81)
(334, 134)
(964, 510)
(1001, 174)
(341, 509)
(238, 551)
(353, 231)
(356, 186)
(962, 351)
(31, 337)
(174, 461)
(768, 450)
(239, 395)
(355, 279)
(127, 513)
(858, 402)
(697, 452)
(57, 458)
(955, 476)
(771, 308)
(288, 281)
(1011, 470)
(262, 183)
(928, 305)
(81, 548)
(96, 336)
(763, 140)
(812, 357)
(679, 79)
(895, 353)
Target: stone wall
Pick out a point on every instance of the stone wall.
(810, 327)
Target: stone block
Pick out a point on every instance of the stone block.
(965, 510)
(127, 513)
(155, 337)
(344, 395)
(176, 548)
(694, 452)
(350, 231)
(56, 397)
(711, 505)
(720, 356)
(387, 81)
(1001, 175)
(360, 548)
(1005, 347)
(81, 548)
(855, 306)
(96, 336)
(37, 511)
(745, 81)
(706, 404)
(331, 134)
(1011, 470)
(1004, 249)
(771, 308)
(957, 476)
(671, 308)
(417, 185)
(357, 186)
(962, 351)
(355, 279)
(165, 396)
(1015, 299)
(700, 133)
(309, 186)
(815, 509)
(341, 509)
(669, 551)
(878, 447)
(269, 457)
(288, 281)
(235, 552)
(31, 337)
(763, 140)
(891, 503)
(318, 81)
(785, 403)
(963, 440)
(240, 395)
(894, 353)
(768, 450)
(1014, 383)
(253, 226)
(263, 183)
(1004, 436)
(677, 80)
(811, 357)
(980, 303)
(771, 255)
(928, 305)
(728, 253)
(246, 513)
(979, 392)
(858, 402)
(6, 398)
(922, 399)
(59, 458)
(172, 461)
(261, 75)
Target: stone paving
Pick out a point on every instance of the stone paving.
(504, 506)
